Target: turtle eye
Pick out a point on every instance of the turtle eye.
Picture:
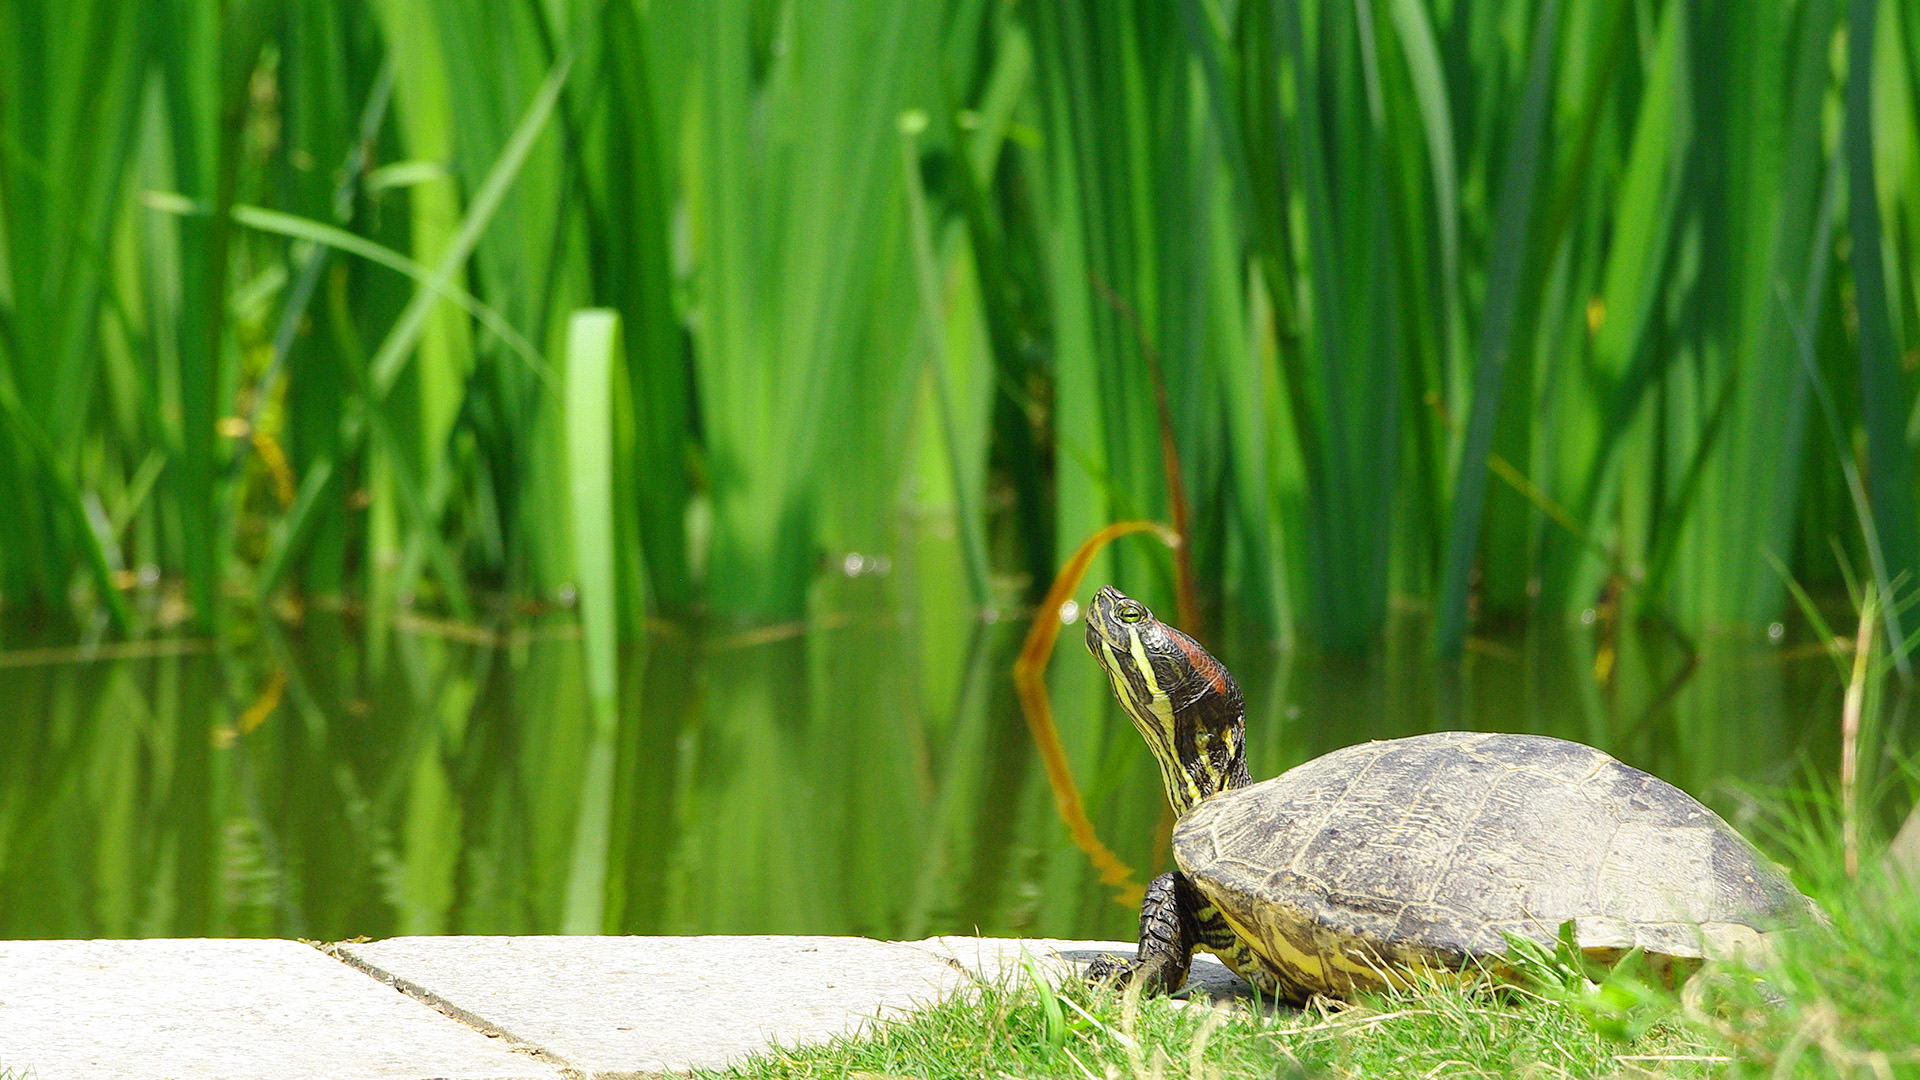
(1131, 613)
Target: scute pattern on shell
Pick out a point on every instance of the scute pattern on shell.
(1425, 850)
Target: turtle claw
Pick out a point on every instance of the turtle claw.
(1123, 974)
(1110, 969)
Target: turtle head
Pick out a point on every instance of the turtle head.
(1183, 702)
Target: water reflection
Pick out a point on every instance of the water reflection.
(866, 773)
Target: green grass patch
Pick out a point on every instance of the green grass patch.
(1838, 1003)
(1010, 1030)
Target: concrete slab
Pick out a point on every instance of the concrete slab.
(994, 959)
(614, 1007)
(506, 1007)
(195, 1008)
(618, 1007)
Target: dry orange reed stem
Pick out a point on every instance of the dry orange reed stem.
(1029, 679)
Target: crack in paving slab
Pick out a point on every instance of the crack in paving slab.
(341, 951)
(619, 1007)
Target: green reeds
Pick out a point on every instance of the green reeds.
(1491, 311)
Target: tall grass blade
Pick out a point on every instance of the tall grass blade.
(594, 358)
(208, 52)
(1348, 392)
(631, 258)
(1595, 458)
(942, 366)
(1242, 96)
(1760, 175)
(1495, 345)
(292, 532)
(66, 502)
(1424, 68)
(319, 233)
(385, 365)
(71, 76)
(794, 371)
(594, 354)
(1884, 391)
(1850, 729)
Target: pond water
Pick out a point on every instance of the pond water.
(868, 772)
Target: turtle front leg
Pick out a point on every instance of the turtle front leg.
(1175, 919)
(1167, 938)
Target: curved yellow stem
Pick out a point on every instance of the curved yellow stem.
(1029, 680)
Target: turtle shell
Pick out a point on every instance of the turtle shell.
(1425, 851)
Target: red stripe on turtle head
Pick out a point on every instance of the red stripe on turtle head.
(1204, 664)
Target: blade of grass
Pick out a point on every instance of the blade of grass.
(307, 280)
(1636, 277)
(1351, 386)
(68, 500)
(1424, 66)
(633, 268)
(1504, 284)
(329, 236)
(1883, 388)
(1757, 195)
(594, 354)
(1850, 730)
(290, 533)
(927, 278)
(208, 53)
(1118, 180)
(385, 366)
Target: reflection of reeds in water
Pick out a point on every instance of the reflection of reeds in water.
(865, 773)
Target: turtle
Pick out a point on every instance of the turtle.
(1338, 876)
